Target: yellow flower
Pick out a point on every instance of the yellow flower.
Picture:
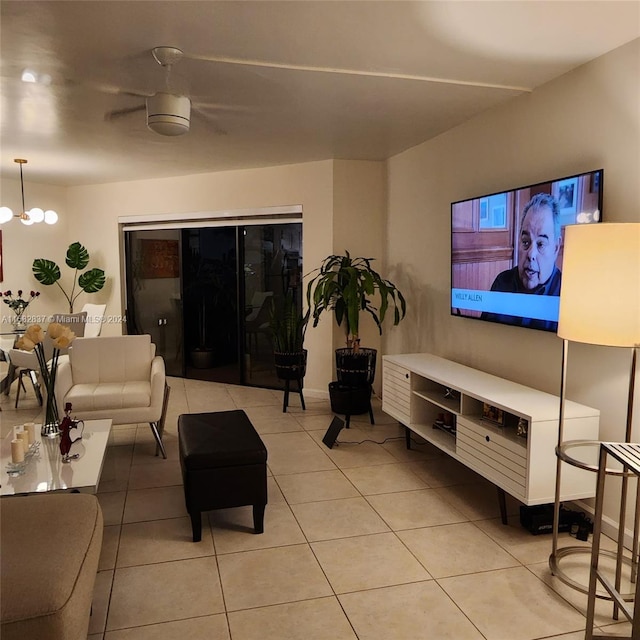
(55, 330)
(35, 334)
(25, 344)
(64, 339)
(61, 343)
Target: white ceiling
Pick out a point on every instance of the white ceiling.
(290, 81)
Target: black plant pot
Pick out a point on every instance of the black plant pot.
(356, 367)
(290, 366)
(202, 358)
(349, 400)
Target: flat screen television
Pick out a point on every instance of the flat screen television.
(506, 249)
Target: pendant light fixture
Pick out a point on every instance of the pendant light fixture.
(33, 216)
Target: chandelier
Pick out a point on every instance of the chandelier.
(32, 216)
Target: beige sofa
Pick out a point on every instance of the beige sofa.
(50, 547)
(117, 377)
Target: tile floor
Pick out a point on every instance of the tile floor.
(364, 541)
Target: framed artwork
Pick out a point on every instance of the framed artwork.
(492, 414)
(484, 212)
(493, 212)
(568, 196)
(159, 259)
(499, 216)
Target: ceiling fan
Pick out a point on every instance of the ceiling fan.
(168, 113)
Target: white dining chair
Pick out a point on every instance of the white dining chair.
(95, 318)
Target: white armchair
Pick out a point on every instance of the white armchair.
(117, 377)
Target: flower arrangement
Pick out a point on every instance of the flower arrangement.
(33, 339)
(18, 304)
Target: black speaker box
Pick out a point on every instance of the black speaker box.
(539, 519)
(332, 432)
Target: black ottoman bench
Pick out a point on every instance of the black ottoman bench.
(224, 464)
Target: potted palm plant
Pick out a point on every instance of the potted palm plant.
(348, 287)
(288, 326)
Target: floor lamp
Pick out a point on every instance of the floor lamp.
(600, 305)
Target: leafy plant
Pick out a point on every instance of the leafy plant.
(348, 286)
(47, 272)
(287, 324)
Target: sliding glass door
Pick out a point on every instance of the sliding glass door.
(154, 301)
(272, 266)
(210, 292)
(205, 296)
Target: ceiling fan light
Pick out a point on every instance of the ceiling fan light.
(167, 125)
(29, 75)
(168, 115)
(5, 214)
(36, 214)
(50, 216)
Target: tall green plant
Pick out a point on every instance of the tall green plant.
(47, 272)
(287, 324)
(349, 286)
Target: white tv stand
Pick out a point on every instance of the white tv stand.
(413, 392)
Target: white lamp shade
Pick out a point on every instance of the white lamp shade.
(50, 216)
(36, 214)
(5, 214)
(600, 293)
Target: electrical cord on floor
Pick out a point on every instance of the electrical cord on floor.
(383, 442)
(374, 441)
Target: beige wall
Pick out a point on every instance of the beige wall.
(343, 208)
(587, 119)
(21, 244)
(359, 205)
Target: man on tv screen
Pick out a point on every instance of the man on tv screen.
(536, 271)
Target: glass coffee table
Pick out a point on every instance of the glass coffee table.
(45, 471)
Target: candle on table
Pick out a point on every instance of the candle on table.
(24, 436)
(17, 451)
(21, 433)
(31, 428)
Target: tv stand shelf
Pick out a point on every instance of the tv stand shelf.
(416, 388)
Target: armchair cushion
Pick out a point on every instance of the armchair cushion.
(50, 550)
(111, 359)
(109, 395)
